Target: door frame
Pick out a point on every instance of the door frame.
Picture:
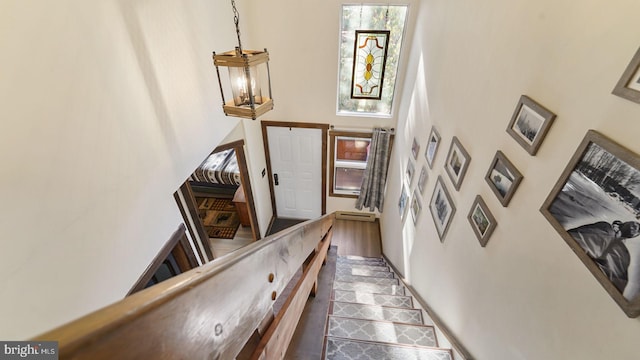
(265, 141)
(189, 207)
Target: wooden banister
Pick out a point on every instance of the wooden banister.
(206, 313)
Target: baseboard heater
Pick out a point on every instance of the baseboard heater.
(358, 216)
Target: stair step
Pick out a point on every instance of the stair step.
(364, 272)
(399, 301)
(370, 288)
(344, 349)
(379, 331)
(360, 261)
(367, 279)
(376, 312)
(378, 267)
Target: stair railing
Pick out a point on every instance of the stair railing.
(210, 312)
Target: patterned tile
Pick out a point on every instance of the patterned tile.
(376, 312)
(371, 288)
(381, 331)
(373, 299)
(367, 279)
(364, 272)
(342, 349)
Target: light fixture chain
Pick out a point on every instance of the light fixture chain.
(236, 20)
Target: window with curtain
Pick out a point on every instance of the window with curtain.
(348, 158)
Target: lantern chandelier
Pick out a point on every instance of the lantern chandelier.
(249, 82)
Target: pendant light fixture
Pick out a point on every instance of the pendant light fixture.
(248, 85)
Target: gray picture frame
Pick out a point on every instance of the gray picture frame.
(628, 86)
(442, 208)
(478, 214)
(431, 149)
(422, 180)
(590, 206)
(503, 178)
(530, 123)
(416, 207)
(457, 163)
(411, 169)
(402, 202)
(415, 149)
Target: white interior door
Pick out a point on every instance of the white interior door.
(296, 165)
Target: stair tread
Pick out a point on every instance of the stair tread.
(370, 288)
(367, 279)
(381, 331)
(346, 349)
(376, 312)
(373, 267)
(363, 261)
(364, 272)
(400, 301)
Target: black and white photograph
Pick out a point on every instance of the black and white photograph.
(628, 86)
(503, 178)
(441, 208)
(402, 202)
(457, 163)
(410, 170)
(415, 149)
(530, 123)
(595, 207)
(416, 206)
(482, 221)
(422, 180)
(432, 146)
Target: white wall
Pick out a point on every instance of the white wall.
(107, 106)
(526, 295)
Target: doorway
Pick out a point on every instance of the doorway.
(296, 155)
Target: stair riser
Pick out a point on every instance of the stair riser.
(367, 279)
(374, 312)
(373, 299)
(364, 272)
(370, 288)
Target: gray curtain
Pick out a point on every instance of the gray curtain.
(375, 174)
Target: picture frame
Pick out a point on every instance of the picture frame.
(415, 149)
(457, 163)
(482, 221)
(442, 208)
(409, 172)
(402, 202)
(595, 207)
(416, 207)
(628, 86)
(422, 180)
(503, 178)
(529, 124)
(432, 146)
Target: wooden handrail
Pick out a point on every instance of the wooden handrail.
(206, 313)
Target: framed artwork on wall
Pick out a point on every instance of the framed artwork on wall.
(442, 208)
(402, 202)
(595, 207)
(628, 87)
(482, 221)
(503, 178)
(416, 206)
(457, 163)
(410, 170)
(432, 146)
(415, 149)
(422, 180)
(530, 123)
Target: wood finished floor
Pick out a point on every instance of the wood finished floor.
(357, 238)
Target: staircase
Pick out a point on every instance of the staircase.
(372, 316)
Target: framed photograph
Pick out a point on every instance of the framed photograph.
(457, 163)
(530, 123)
(402, 203)
(422, 180)
(441, 208)
(415, 149)
(432, 146)
(595, 207)
(481, 220)
(628, 86)
(503, 178)
(410, 170)
(415, 207)
(369, 60)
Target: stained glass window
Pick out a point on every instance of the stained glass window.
(370, 56)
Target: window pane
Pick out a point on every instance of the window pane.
(352, 149)
(348, 180)
(369, 17)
